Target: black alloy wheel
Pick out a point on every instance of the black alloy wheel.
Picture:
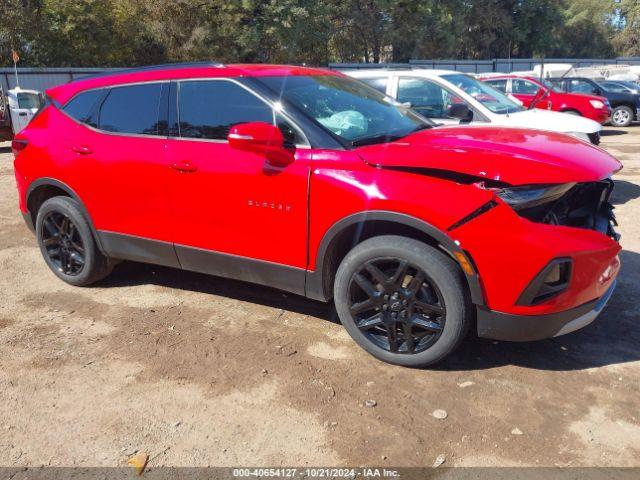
(68, 244)
(403, 301)
(63, 244)
(396, 305)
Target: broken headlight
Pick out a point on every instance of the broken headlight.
(532, 195)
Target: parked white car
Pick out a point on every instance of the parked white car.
(441, 95)
(17, 108)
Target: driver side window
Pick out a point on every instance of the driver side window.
(209, 108)
(425, 97)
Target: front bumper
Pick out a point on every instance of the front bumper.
(523, 328)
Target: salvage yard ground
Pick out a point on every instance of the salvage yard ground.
(198, 371)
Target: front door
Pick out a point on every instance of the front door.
(234, 213)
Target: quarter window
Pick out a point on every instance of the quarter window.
(82, 105)
(131, 109)
(208, 109)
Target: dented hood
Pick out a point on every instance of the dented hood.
(513, 156)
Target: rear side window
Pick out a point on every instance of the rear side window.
(82, 105)
(132, 109)
(208, 109)
(581, 86)
(498, 84)
(379, 83)
(523, 87)
(428, 98)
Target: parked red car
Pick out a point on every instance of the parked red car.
(549, 97)
(311, 182)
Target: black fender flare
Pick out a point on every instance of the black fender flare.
(314, 282)
(52, 182)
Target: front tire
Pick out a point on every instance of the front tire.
(67, 243)
(622, 116)
(403, 301)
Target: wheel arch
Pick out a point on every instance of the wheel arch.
(42, 189)
(353, 229)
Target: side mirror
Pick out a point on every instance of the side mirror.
(261, 138)
(461, 112)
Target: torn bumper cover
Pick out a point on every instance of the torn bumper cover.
(522, 328)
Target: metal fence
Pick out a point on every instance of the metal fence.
(43, 78)
(507, 65)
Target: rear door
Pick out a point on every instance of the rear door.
(122, 153)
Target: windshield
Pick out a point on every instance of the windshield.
(491, 98)
(352, 111)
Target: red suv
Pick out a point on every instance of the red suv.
(546, 96)
(311, 182)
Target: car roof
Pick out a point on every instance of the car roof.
(179, 71)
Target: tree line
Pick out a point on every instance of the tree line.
(138, 32)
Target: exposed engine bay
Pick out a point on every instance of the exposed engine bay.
(583, 205)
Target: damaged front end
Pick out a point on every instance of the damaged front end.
(579, 205)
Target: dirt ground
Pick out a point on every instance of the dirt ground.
(200, 371)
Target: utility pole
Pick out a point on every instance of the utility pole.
(16, 59)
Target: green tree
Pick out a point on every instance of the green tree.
(587, 29)
(628, 38)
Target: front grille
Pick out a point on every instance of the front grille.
(594, 138)
(586, 205)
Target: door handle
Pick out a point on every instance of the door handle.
(23, 114)
(82, 150)
(184, 166)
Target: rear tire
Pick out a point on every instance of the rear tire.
(403, 301)
(67, 244)
(621, 116)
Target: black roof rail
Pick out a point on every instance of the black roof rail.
(151, 68)
(364, 66)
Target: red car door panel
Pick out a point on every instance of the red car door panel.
(230, 201)
(235, 202)
(128, 192)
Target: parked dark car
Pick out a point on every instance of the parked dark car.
(620, 86)
(625, 106)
